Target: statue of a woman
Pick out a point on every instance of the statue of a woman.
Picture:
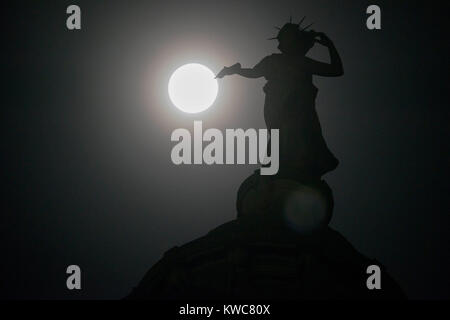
(290, 99)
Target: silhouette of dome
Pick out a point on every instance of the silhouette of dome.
(260, 256)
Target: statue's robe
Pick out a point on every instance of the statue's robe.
(290, 107)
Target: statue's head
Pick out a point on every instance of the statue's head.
(293, 39)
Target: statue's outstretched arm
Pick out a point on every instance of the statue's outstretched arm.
(244, 72)
(249, 73)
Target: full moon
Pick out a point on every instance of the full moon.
(193, 88)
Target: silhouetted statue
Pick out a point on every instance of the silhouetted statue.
(290, 99)
(280, 245)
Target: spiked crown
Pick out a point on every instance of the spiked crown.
(293, 28)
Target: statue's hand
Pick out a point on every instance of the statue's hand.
(323, 39)
(226, 71)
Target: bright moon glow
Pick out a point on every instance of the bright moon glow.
(192, 88)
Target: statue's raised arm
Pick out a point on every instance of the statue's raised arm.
(332, 69)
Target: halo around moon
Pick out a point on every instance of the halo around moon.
(193, 88)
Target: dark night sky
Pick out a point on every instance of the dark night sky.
(86, 127)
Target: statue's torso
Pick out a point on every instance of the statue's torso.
(290, 107)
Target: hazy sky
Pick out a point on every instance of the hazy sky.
(87, 121)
